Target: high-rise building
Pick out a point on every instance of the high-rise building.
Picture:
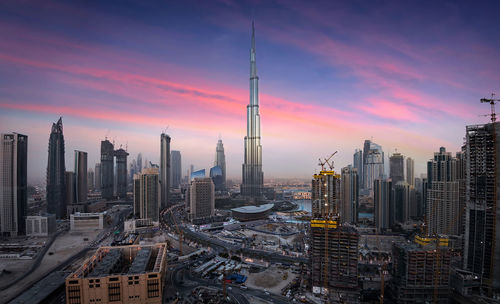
(401, 202)
(13, 184)
(358, 164)
(81, 176)
(410, 171)
(443, 207)
(253, 177)
(70, 187)
(56, 166)
(220, 160)
(175, 157)
(139, 163)
(325, 193)
(383, 204)
(396, 168)
(217, 177)
(107, 175)
(147, 194)
(202, 196)
(373, 163)
(97, 177)
(349, 195)
(121, 172)
(165, 169)
(482, 239)
(90, 179)
(197, 174)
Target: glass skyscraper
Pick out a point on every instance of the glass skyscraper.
(56, 168)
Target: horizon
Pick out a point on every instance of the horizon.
(331, 76)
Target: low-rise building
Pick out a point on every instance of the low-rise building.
(138, 225)
(41, 225)
(86, 221)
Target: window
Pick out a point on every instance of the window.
(153, 288)
(113, 292)
(74, 295)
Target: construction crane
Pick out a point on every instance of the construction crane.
(179, 232)
(326, 161)
(492, 101)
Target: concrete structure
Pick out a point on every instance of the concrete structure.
(334, 261)
(107, 175)
(420, 273)
(252, 213)
(147, 194)
(220, 160)
(86, 221)
(482, 239)
(80, 176)
(444, 212)
(325, 193)
(165, 167)
(41, 225)
(56, 168)
(13, 183)
(253, 177)
(410, 171)
(349, 190)
(202, 198)
(120, 274)
(396, 168)
(373, 164)
(97, 177)
(121, 172)
(175, 157)
(383, 204)
(138, 225)
(357, 163)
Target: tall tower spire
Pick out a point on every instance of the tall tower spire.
(253, 177)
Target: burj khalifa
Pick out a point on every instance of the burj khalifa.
(253, 177)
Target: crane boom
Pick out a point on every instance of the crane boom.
(492, 101)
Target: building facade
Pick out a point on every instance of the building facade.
(396, 168)
(86, 221)
(358, 165)
(220, 161)
(349, 200)
(165, 168)
(147, 194)
(56, 168)
(121, 172)
(41, 225)
(410, 171)
(81, 176)
(373, 164)
(107, 174)
(202, 196)
(383, 200)
(97, 177)
(175, 157)
(325, 194)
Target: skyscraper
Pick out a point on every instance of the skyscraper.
(202, 197)
(349, 195)
(325, 194)
(70, 188)
(13, 184)
(175, 157)
(164, 169)
(401, 202)
(482, 239)
(373, 163)
(90, 179)
(358, 164)
(139, 163)
(107, 176)
(396, 168)
(121, 172)
(216, 176)
(253, 177)
(56, 167)
(383, 204)
(97, 176)
(81, 176)
(410, 171)
(147, 194)
(220, 160)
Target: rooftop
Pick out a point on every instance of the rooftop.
(253, 209)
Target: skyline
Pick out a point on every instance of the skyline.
(325, 85)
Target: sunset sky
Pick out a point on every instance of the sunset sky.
(407, 74)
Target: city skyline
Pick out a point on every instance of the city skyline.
(123, 84)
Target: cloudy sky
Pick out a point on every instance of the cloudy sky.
(408, 74)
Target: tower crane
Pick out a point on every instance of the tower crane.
(492, 101)
(326, 161)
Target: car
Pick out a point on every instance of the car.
(243, 287)
(266, 292)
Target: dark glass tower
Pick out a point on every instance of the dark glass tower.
(107, 176)
(165, 180)
(253, 177)
(56, 168)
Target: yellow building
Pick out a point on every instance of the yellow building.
(119, 275)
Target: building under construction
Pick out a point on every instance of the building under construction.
(421, 271)
(334, 248)
(481, 254)
(121, 274)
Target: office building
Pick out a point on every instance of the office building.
(253, 177)
(410, 171)
(120, 274)
(444, 213)
(202, 195)
(481, 253)
(165, 168)
(90, 180)
(383, 204)
(196, 174)
(97, 177)
(13, 184)
(325, 194)
(396, 167)
(147, 194)
(107, 174)
(401, 202)
(420, 273)
(70, 187)
(80, 176)
(175, 157)
(41, 225)
(349, 195)
(358, 165)
(56, 168)
(220, 161)
(217, 177)
(121, 172)
(373, 164)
